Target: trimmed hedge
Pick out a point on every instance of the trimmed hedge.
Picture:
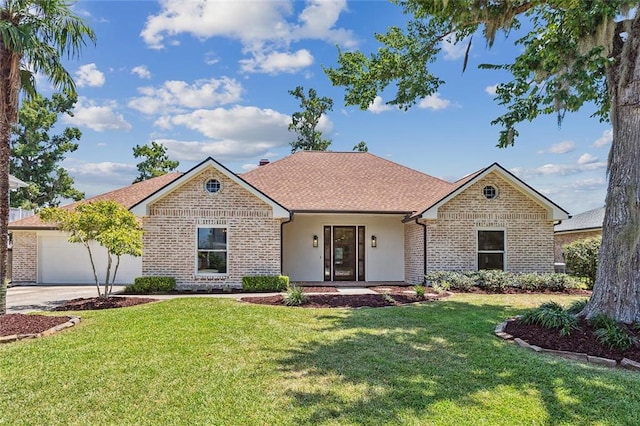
(495, 281)
(147, 285)
(581, 257)
(265, 283)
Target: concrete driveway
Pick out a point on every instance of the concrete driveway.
(22, 299)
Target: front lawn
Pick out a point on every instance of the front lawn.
(215, 361)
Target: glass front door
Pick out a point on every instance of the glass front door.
(344, 253)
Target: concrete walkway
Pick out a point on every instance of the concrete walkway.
(23, 299)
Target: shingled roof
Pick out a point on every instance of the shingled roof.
(585, 221)
(127, 196)
(313, 181)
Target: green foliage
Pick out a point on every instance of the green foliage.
(496, 281)
(36, 154)
(295, 296)
(551, 315)
(265, 283)
(151, 285)
(562, 62)
(420, 291)
(610, 333)
(451, 280)
(156, 161)
(108, 223)
(304, 123)
(581, 257)
(576, 307)
(361, 147)
(389, 298)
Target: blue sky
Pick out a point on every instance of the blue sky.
(211, 79)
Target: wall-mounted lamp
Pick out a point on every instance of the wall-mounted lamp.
(315, 241)
(374, 241)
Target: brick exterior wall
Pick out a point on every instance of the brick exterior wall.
(452, 238)
(563, 239)
(413, 253)
(25, 261)
(253, 235)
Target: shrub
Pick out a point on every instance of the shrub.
(610, 333)
(495, 281)
(419, 291)
(551, 315)
(265, 283)
(581, 257)
(295, 296)
(147, 285)
(450, 280)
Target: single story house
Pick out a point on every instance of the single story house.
(315, 217)
(583, 225)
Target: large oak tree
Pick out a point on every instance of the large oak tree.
(572, 53)
(35, 36)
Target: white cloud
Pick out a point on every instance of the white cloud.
(224, 150)
(97, 117)
(277, 62)
(98, 178)
(587, 158)
(89, 75)
(264, 27)
(141, 71)
(434, 102)
(604, 140)
(559, 148)
(454, 50)
(557, 170)
(174, 96)
(491, 90)
(249, 167)
(240, 123)
(378, 106)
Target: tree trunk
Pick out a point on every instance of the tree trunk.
(9, 87)
(616, 292)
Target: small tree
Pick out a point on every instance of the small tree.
(305, 122)
(109, 224)
(581, 257)
(156, 162)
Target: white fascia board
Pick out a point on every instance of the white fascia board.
(142, 208)
(554, 211)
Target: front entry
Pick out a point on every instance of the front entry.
(344, 253)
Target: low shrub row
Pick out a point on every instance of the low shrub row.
(151, 285)
(496, 281)
(265, 283)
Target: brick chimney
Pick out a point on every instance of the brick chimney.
(263, 162)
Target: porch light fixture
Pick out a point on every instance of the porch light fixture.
(315, 241)
(374, 241)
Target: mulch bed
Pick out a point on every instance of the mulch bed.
(346, 300)
(581, 340)
(94, 303)
(28, 324)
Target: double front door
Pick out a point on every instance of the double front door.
(344, 253)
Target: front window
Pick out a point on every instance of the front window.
(212, 251)
(491, 250)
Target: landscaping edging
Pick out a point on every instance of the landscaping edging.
(73, 320)
(575, 356)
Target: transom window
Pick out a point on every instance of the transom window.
(212, 251)
(490, 192)
(491, 250)
(212, 186)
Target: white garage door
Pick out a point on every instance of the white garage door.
(61, 262)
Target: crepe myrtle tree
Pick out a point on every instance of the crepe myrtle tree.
(35, 36)
(106, 222)
(571, 54)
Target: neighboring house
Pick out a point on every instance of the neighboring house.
(584, 225)
(17, 213)
(314, 216)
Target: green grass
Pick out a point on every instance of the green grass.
(214, 361)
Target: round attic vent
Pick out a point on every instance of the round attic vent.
(490, 192)
(212, 186)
